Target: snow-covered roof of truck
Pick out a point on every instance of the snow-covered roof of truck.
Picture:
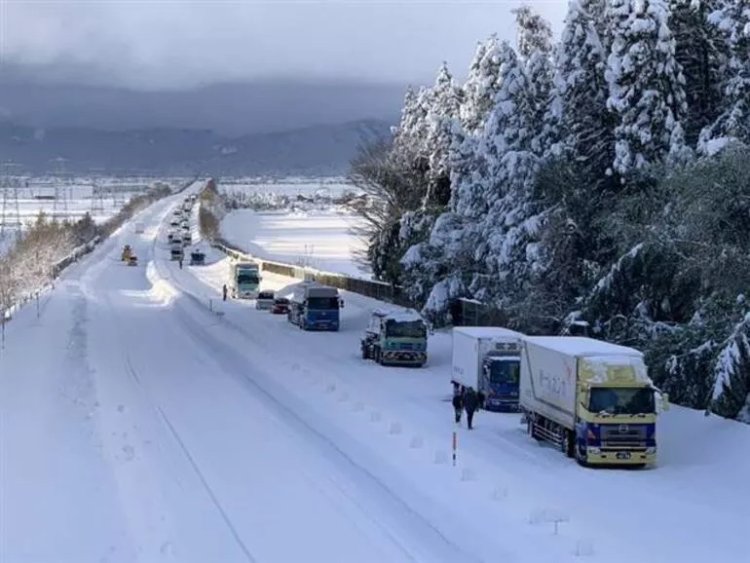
(400, 316)
(582, 346)
(488, 332)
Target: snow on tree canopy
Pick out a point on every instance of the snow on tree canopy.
(646, 86)
(733, 20)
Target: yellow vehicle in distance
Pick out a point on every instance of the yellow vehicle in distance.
(127, 252)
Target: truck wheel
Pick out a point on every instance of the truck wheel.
(581, 458)
(567, 445)
(531, 429)
(365, 355)
(378, 358)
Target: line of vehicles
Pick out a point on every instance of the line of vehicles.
(180, 234)
(310, 306)
(590, 399)
(593, 400)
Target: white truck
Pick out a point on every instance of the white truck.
(592, 399)
(488, 359)
(244, 279)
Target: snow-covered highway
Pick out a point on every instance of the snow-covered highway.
(139, 425)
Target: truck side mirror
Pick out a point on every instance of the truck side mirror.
(665, 402)
(341, 303)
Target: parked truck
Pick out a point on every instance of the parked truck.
(488, 359)
(315, 307)
(592, 399)
(244, 279)
(395, 337)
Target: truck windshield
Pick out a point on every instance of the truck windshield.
(405, 329)
(322, 303)
(504, 372)
(247, 277)
(622, 400)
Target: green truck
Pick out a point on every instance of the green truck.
(395, 338)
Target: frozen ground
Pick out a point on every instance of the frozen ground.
(145, 420)
(320, 238)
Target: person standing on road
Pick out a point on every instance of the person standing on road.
(224, 292)
(458, 404)
(180, 263)
(471, 401)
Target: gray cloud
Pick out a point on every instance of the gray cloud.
(164, 44)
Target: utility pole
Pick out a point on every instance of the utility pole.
(60, 191)
(10, 216)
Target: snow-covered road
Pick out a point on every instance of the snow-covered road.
(137, 424)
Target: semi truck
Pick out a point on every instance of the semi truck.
(315, 307)
(244, 279)
(591, 399)
(488, 359)
(395, 337)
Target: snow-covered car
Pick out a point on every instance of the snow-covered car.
(280, 306)
(265, 300)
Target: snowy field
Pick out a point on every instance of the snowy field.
(146, 420)
(73, 201)
(320, 238)
(291, 186)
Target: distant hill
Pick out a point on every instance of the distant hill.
(314, 150)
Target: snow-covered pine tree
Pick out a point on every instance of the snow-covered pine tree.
(443, 111)
(732, 19)
(731, 394)
(703, 55)
(508, 229)
(409, 142)
(646, 85)
(580, 97)
(481, 86)
(535, 49)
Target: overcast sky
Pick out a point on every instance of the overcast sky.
(165, 44)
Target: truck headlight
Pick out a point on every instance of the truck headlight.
(593, 450)
(651, 450)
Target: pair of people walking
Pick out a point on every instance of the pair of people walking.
(465, 398)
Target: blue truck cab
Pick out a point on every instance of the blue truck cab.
(488, 360)
(314, 306)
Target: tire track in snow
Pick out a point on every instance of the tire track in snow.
(229, 360)
(225, 517)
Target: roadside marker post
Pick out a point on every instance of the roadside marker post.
(455, 444)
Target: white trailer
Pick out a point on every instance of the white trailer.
(487, 359)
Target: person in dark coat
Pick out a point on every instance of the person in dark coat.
(224, 292)
(471, 402)
(458, 404)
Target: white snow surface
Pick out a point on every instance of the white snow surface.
(143, 419)
(581, 346)
(488, 332)
(316, 238)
